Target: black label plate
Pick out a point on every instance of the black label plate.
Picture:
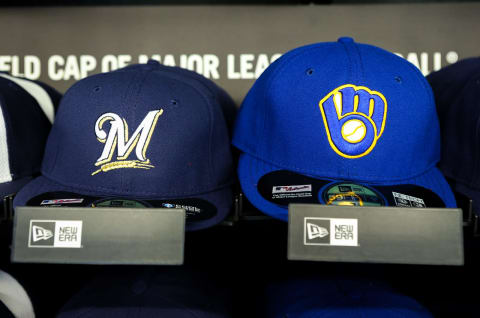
(98, 236)
(431, 236)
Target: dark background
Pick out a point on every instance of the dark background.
(202, 2)
(250, 255)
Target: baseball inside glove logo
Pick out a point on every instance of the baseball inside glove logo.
(354, 118)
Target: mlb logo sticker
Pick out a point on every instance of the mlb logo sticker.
(330, 231)
(61, 201)
(55, 234)
(292, 188)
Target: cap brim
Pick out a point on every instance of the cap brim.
(13, 187)
(251, 169)
(222, 199)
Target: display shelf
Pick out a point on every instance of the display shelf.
(142, 236)
(247, 212)
(6, 211)
(476, 226)
(427, 236)
(466, 204)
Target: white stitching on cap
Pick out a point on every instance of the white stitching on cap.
(5, 175)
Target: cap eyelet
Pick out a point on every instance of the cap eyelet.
(174, 102)
(97, 89)
(398, 79)
(309, 71)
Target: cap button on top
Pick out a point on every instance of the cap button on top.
(153, 63)
(345, 39)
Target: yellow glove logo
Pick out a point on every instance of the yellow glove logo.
(354, 119)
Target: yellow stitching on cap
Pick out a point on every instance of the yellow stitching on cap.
(336, 93)
(144, 150)
(106, 165)
(336, 196)
(137, 164)
(100, 125)
(110, 155)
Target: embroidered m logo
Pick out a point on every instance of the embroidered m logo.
(118, 138)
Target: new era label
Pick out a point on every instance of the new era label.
(61, 234)
(331, 231)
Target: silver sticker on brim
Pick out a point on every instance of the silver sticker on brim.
(61, 201)
(292, 191)
(402, 200)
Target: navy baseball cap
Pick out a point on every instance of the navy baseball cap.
(340, 123)
(318, 298)
(456, 89)
(27, 111)
(146, 135)
(167, 292)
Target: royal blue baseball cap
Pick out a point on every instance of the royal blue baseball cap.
(165, 292)
(318, 298)
(340, 123)
(27, 111)
(456, 90)
(146, 135)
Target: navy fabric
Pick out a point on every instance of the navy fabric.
(456, 89)
(52, 92)
(9, 188)
(226, 103)
(286, 120)
(188, 154)
(315, 298)
(222, 199)
(165, 293)
(27, 129)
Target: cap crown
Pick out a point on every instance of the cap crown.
(145, 130)
(456, 89)
(27, 110)
(341, 110)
